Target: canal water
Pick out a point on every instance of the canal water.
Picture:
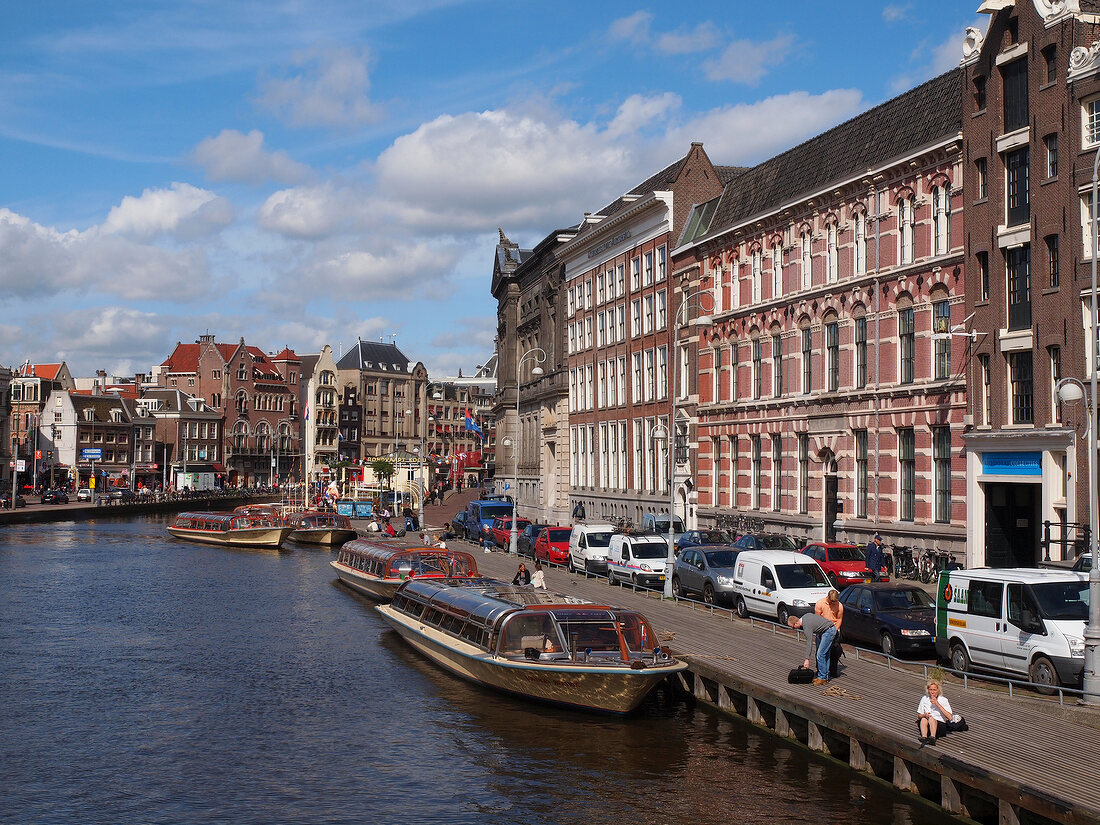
(149, 680)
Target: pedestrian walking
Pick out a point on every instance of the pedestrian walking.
(876, 557)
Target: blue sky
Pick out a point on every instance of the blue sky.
(303, 173)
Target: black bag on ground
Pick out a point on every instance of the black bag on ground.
(956, 723)
(801, 676)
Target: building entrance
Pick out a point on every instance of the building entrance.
(1012, 524)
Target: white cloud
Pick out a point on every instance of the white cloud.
(331, 88)
(35, 260)
(929, 60)
(637, 113)
(463, 333)
(119, 335)
(233, 156)
(703, 37)
(413, 270)
(310, 212)
(182, 211)
(634, 28)
(745, 61)
(894, 13)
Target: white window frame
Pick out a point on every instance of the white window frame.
(831, 253)
(940, 221)
(1090, 111)
(807, 260)
(861, 244)
(905, 231)
(757, 275)
(662, 263)
(777, 270)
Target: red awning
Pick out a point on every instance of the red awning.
(219, 468)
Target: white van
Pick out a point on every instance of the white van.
(588, 545)
(1021, 621)
(658, 523)
(778, 583)
(638, 558)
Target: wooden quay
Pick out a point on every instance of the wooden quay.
(1025, 759)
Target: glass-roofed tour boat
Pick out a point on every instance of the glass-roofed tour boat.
(234, 529)
(317, 527)
(532, 643)
(377, 569)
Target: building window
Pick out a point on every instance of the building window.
(1055, 354)
(861, 352)
(1020, 365)
(777, 365)
(832, 355)
(940, 219)
(861, 244)
(756, 472)
(803, 473)
(1051, 142)
(1090, 123)
(905, 231)
(1017, 193)
(907, 475)
(716, 372)
(647, 278)
(986, 399)
(1050, 57)
(983, 275)
(1054, 275)
(907, 345)
(661, 263)
(757, 368)
(1018, 265)
(757, 275)
(941, 459)
(807, 271)
(1014, 76)
(979, 94)
(830, 254)
(941, 326)
(1086, 225)
(861, 473)
(777, 270)
(981, 169)
(807, 361)
(777, 472)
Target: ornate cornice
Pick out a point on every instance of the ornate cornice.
(1053, 11)
(1084, 62)
(972, 46)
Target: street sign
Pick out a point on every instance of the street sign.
(91, 454)
(38, 454)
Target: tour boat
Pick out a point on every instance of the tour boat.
(269, 513)
(235, 529)
(377, 570)
(316, 527)
(532, 643)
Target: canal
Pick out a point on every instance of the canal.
(144, 679)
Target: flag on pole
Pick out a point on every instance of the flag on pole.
(471, 426)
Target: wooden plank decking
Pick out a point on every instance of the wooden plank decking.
(1020, 752)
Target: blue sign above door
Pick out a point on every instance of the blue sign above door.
(1012, 464)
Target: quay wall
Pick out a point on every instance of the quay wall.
(36, 514)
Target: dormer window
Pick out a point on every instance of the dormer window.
(242, 372)
(89, 415)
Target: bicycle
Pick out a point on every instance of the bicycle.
(933, 562)
(902, 565)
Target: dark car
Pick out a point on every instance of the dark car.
(120, 494)
(55, 497)
(766, 541)
(525, 544)
(6, 501)
(458, 523)
(896, 618)
(696, 538)
(706, 570)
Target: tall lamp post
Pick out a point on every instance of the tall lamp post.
(537, 355)
(691, 299)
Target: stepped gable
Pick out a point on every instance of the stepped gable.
(367, 355)
(920, 117)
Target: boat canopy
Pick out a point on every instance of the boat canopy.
(315, 520)
(387, 561)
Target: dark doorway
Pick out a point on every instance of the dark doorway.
(832, 505)
(1012, 524)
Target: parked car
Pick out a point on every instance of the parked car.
(696, 538)
(55, 497)
(19, 501)
(707, 570)
(480, 515)
(1083, 563)
(552, 544)
(500, 530)
(525, 544)
(637, 558)
(896, 618)
(120, 494)
(84, 494)
(766, 541)
(844, 564)
(658, 523)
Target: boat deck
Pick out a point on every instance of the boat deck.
(1023, 756)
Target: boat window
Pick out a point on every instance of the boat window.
(638, 632)
(474, 634)
(526, 630)
(599, 636)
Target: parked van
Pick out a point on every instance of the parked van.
(778, 583)
(588, 546)
(638, 558)
(658, 523)
(480, 515)
(1022, 622)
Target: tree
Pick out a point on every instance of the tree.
(383, 469)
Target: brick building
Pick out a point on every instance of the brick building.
(391, 390)
(620, 302)
(1031, 115)
(826, 408)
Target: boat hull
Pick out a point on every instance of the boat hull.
(249, 537)
(372, 586)
(328, 536)
(616, 690)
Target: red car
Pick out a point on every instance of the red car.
(552, 544)
(500, 531)
(844, 564)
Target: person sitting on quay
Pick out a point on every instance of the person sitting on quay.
(523, 576)
(932, 713)
(820, 633)
(538, 579)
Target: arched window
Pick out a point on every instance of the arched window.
(807, 271)
(242, 401)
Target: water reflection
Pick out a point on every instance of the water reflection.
(150, 680)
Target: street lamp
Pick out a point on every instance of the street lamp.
(691, 299)
(538, 355)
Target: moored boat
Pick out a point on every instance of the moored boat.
(234, 529)
(263, 513)
(532, 643)
(377, 570)
(317, 527)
